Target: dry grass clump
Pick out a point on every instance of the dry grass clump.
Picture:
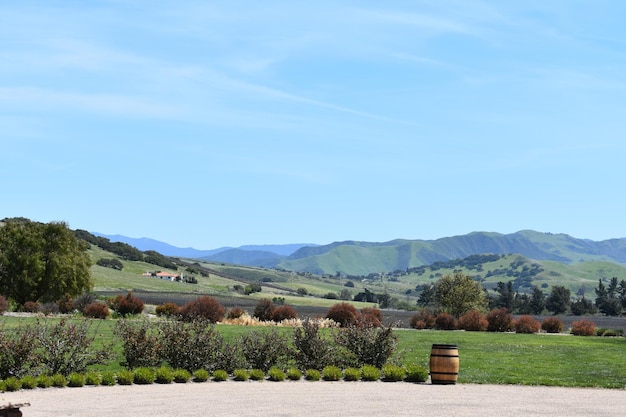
(246, 320)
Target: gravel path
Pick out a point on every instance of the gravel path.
(314, 399)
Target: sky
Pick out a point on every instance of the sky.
(227, 123)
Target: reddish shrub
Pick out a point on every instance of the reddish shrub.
(473, 321)
(500, 320)
(583, 328)
(4, 305)
(31, 307)
(264, 309)
(343, 313)
(126, 305)
(527, 324)
(422, 320)
(552, 325)
(370, 316)
(281, 313)
(66, 304)
(445, 321)
(235, 313)
(167, 309)
(207, 308)
(96, 310)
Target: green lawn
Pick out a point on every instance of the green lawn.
(486, 358)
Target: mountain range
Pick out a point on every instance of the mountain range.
(362, 258)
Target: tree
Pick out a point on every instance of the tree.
(506, 296)
(42, 262)
(559, 299)
(459, 293)
(537, 301)
(607, 298)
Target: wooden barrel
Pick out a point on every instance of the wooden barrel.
(444, 364)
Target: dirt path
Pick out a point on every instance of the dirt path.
(314, 399)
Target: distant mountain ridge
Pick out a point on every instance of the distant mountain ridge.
(362, 258)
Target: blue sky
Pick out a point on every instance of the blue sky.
(209, 124)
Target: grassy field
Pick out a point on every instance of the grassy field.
(486, 358)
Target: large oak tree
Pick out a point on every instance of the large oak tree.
(42, 261)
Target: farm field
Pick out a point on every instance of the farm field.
(486, 358)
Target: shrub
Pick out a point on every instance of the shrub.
(182, 376)
(235, 313)
(140, 343)
(445, 321)
(167, 310)
(12, 384)
(206, 308)
(609, 332)
(28, 382)
(163, 375)
(76, 380)
(126, 305)
(220, 375)
(59, 381)
(79, 303)
(370, 316)
(312, 375)
(583, 328)
(30, 307)
(370, 373)
(527, 324)
(473, 321)
(96, 310)
(345, 314)
(294, 374)
(108, 378)
(276, 374)
(144, 376)
(422, 320)
(125, 377)
(312, 350)
(241, 375)
(65, 347)
(262, 350)
(352, 374)
(284, 312)
(201, 375)
(93, 378)
(416, 373)
(264, 309)
(500, 320)
(393, 373)
(331, 373)
(257, 375)
(17, 350)
(552, 325)
(367, 345)
(44, 381)
(4, 305)
(49, 309)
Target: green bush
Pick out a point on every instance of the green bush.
(163, 375)
(44, 381)
(2, 386)
(59, 381)
(609, 332)
(182, 376)
(331, 373)
(240, 375)
(125, 377)
(370, 373)
(29, 382)
(108, 378)
(93, 378)
(368, 345)
(264, 349)
(12, 384)
(75, 380)
(144, 376)
(351, 374)
(140, 343)
(393, 373)
(313, 375)
(312, 349)
(416, 373)
(220, 375)
(294, 374)
(201, 375)
(276, 374)
(257, 375)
